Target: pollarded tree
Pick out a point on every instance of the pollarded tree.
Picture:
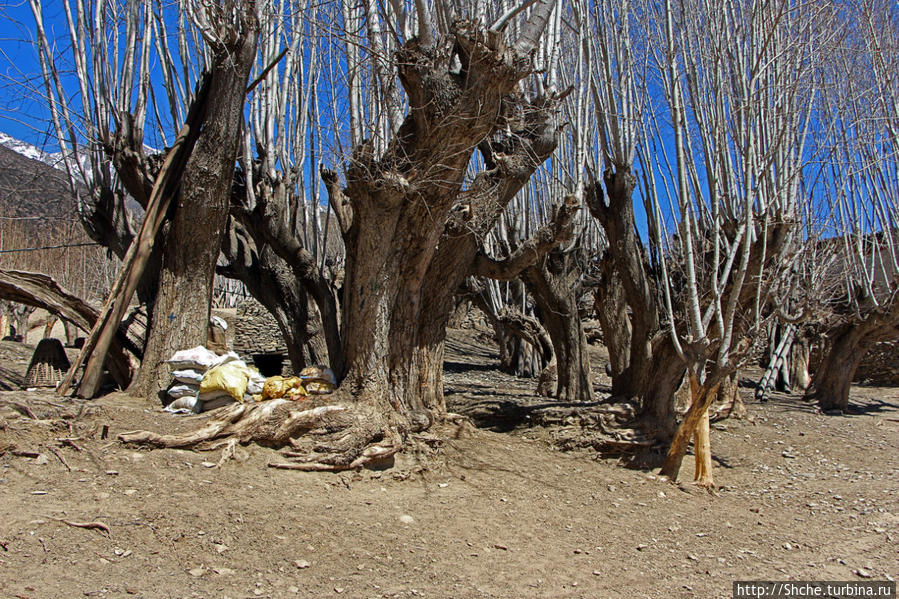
(103, 129)
(739, 85)
(113, 102)
(645, 365)
(412, 224)
(861, 110)
(181, 310)
(554, 283)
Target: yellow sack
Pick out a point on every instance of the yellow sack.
(278, 386)
(231, 377)
(319, 387)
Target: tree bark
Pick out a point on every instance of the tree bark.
(271, 282)
(625, 249)
(831, 382)
(181, 311)
(658, 413)
(610, 306)
(407, 251)
(552, 282)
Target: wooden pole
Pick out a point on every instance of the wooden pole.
(97, 344)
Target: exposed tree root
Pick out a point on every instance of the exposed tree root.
(329, 437)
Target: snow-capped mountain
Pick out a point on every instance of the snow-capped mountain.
(29, 185)
(54, 159)
(26, 149)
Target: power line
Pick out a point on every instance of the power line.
(68, 218)
(49, 247)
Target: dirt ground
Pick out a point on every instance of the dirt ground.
(802, 496)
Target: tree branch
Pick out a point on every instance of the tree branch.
(338, 201)
(533, 30)
(547, 238)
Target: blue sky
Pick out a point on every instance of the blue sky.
(22, 114)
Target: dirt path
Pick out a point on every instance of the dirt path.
(803, 496)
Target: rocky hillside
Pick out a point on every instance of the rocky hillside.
(32, 188)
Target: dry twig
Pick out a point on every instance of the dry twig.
(90, 525)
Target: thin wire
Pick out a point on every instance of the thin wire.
(49, 247)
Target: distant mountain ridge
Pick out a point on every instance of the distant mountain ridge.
(30, 187)
(28, 150)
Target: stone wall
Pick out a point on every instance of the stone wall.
(880, 366)
(256, 332)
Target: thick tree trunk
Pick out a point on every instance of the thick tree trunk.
(653, 371)
(271, 282)
(658, 413)
(729, 398)
(406, 253)
(407, 249)
(625, 249)
(833, 377)
(181, 311)
(846, 346)
(610, 306)
(799, 361)
(552, 282)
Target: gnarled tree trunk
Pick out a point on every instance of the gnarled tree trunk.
(407, 249)
(610, 306)
(658, 414)
(846, 346)
(181, 310)
(271, 282)
(617, 219)
(552, 282)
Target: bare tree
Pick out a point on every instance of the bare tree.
(739, 86)
(409, 244)
(861, 114)
(181, 310)
(115, 92)
(643, 357)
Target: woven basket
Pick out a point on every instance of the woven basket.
(48, 364)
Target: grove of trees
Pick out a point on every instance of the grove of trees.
(691, 173)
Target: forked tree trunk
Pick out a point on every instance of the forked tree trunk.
(272, 283)
(181, 311)
(658, 413)
(695, 421)
(552, 282)
(610, 306)
(638, 380)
